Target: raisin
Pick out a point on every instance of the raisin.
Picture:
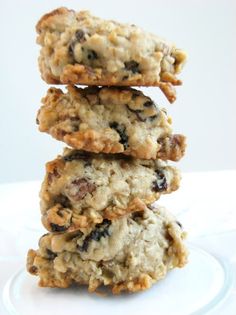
(114, 125)
(137, 215)
(79, 188)
(76, 155)
(80, 36)
(120, 129)
(57, 228)
(137, 112)
(50, 254)
(63, 201)
(160, 184)
(101, 230)
(132, 66)
(148, 104)
(84, 246)
(92, 55)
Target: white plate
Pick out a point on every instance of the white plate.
(195, 289)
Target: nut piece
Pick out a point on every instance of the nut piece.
(79, 188)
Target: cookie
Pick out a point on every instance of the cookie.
(82, 188)
(110, 120)
(128, 254)
(79, 48)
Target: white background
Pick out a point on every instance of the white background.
(205, 109)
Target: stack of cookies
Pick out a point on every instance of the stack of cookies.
(97, 197)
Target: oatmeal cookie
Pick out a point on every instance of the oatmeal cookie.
(110, 120)
(130, 253)
(79, 48)
(82, 188)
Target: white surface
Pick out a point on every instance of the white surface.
(206, 206)
(205, 110)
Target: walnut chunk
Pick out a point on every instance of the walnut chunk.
(79, 188)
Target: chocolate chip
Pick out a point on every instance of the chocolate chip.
(92, 55)
(132, 66)
(37, 121)
(76, 155)
(101, 230)
(80, 36)
(80, 187)
(57, 228)
(121, 130)
(50, 254)
(160, 184)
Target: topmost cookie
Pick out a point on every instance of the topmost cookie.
(82, 49)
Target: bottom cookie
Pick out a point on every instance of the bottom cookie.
(127, 254)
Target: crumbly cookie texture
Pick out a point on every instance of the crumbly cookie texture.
(79, 48)
(128, 254)
(110, 120)
(82, 188)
